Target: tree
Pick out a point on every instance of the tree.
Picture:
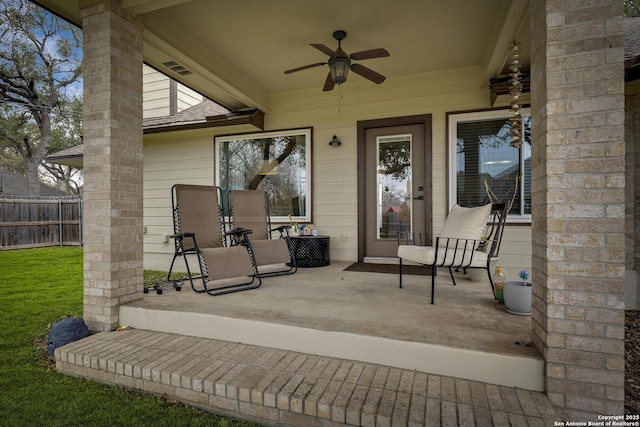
(266, 146)
(66, 133)
(272, 164)
(40, 67)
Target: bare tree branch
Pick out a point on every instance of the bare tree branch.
(40, 57)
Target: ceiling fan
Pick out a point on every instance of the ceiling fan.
(340, 63)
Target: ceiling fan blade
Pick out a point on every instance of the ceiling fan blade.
(304, 67)
(328, 83)
(369, 54)
(367, 73)
(324, 49)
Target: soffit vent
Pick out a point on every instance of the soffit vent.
(174, 66)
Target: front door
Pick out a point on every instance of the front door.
(395, 183)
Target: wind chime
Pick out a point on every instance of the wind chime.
(515, 91)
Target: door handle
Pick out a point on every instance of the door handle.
(419, 198)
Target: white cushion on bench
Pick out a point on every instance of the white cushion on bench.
(465, 223)
(454, 258)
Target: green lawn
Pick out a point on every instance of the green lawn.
(37, 288)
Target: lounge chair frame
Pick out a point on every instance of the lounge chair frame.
(186, 244)
(259, 221)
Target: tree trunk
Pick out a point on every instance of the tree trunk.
(31, 171)
(257, 179)
(35, 153)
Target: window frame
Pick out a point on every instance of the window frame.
(453, 119)
(306, 132)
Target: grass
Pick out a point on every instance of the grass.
(37, 288)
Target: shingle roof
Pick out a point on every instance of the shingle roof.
(193, 115)
(70, 157)
(13, 184)
(69, 152)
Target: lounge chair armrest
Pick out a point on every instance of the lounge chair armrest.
(239, 237)
(182, 235)
(238, 232)
(283, 230)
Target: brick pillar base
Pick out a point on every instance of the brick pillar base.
(112, 161)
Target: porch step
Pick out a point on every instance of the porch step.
(524, 369)
(271, 386)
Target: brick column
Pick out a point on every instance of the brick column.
(579, 203)
(112, 161)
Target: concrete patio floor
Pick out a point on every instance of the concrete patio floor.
(361, 316)
(328, 347)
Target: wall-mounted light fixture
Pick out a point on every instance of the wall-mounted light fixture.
(335, 142)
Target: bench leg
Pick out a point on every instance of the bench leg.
(433, 283)
(493, 289)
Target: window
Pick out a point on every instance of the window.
(393, 157)
(484, 167)
(276, 162)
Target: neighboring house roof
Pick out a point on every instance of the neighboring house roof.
(632, 48)
(202, 115)
(13, 184)
(70, 157)
(193, 115)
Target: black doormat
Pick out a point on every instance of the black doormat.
(422, 270)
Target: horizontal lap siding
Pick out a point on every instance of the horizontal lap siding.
(167, 162)
(187, 97)
(334, 170)
(515, 252)
(156, 93)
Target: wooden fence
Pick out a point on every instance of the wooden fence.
(38, 222)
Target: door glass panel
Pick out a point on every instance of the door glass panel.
(393, 185)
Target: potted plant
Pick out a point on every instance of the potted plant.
(517, 295)
(295, 228)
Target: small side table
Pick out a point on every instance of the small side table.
(310, 251)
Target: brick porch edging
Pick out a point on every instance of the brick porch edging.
(271, 386)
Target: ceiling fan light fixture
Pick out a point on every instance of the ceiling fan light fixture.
(340, 63)
(339, 67)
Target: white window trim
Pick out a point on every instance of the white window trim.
(453, 120)
(307, 218)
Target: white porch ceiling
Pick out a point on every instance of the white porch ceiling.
(238, 50)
